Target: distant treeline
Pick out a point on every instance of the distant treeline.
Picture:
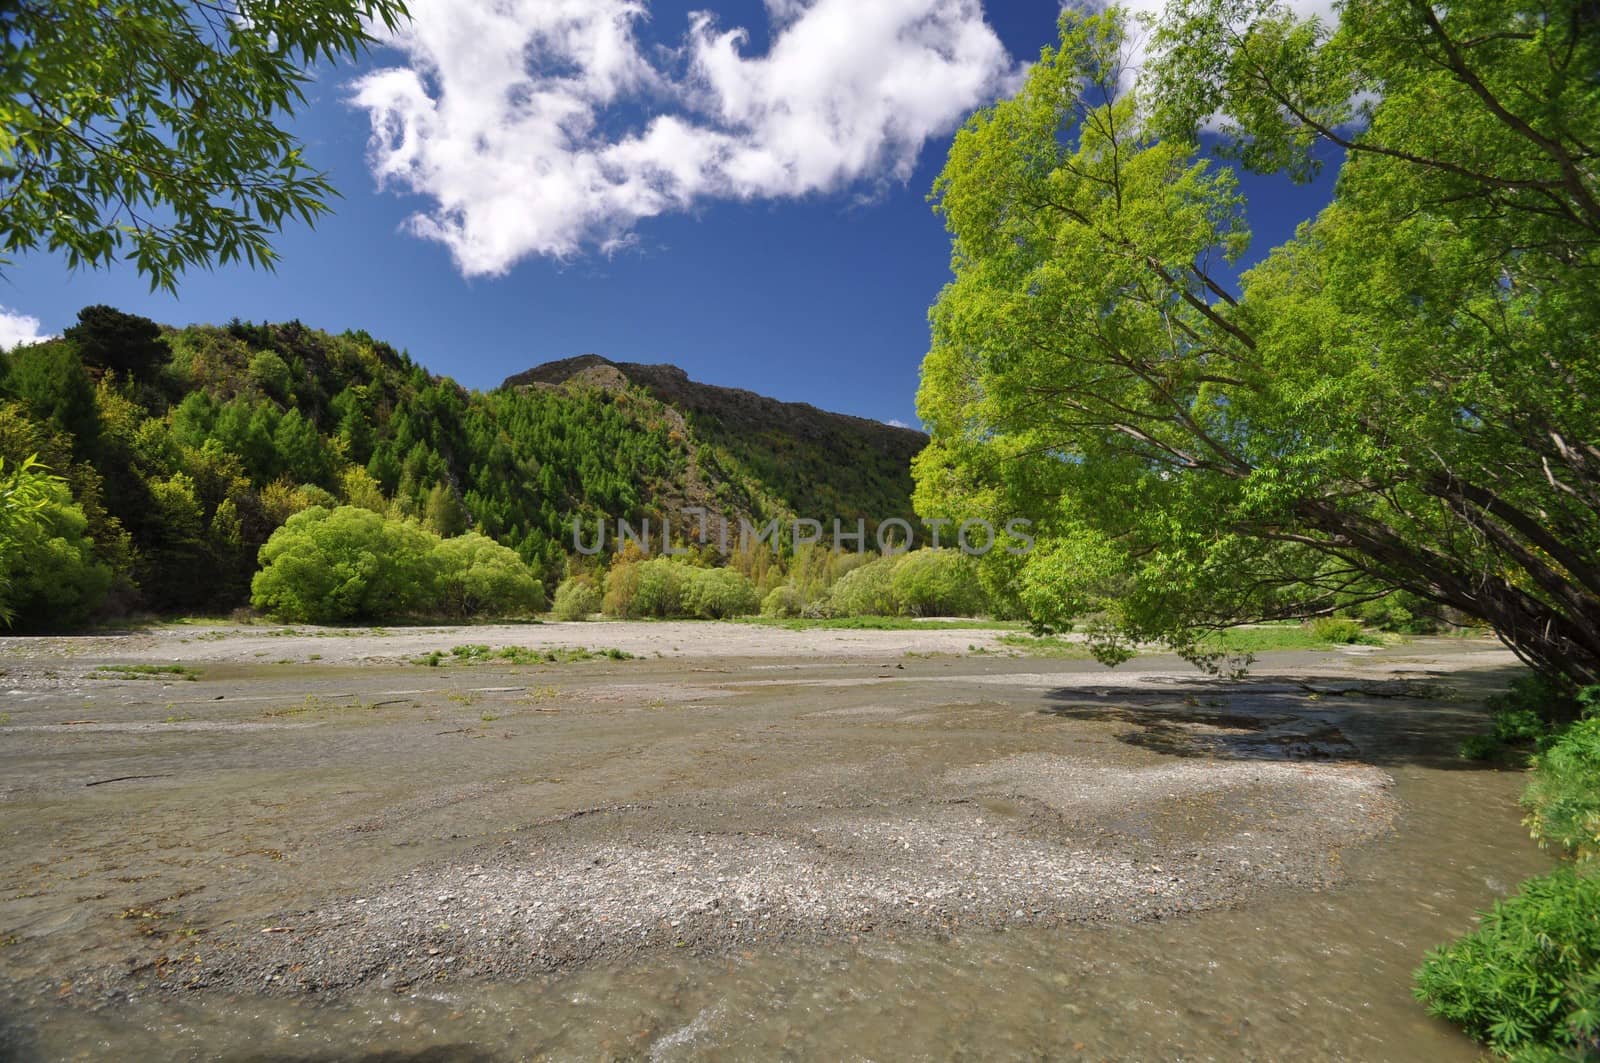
(180, 452)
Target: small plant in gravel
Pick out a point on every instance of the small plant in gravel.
(145, 671)
(1044, 645)
(522, 655)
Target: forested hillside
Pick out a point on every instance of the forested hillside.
(181, 451)
(806, 461)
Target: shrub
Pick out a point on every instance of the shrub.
(576, 599)
(1528, 980)
(1541, 696)
(937, 583)
(866, 591)
(784, 602)
(326, 566)
(1337, 630)
(1564, 798)
(622, 589)
(660, 589)
(479, 577)
(1524, 717)
(1481, 747)
(718, 593)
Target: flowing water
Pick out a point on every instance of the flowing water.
(1308, 976)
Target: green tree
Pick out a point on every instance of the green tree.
(50, 578)
(330, 566)
(358, 488)
(662, 581)
(1401, 398)
(25, 493)
(128, 344)
(272, 374)
(443, 512)
(479, 577)
(49, 379)
(160, 127)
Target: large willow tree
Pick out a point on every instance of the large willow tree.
(1404, 397)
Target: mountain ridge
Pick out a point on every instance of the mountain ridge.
(666, 377)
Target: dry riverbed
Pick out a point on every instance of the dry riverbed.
(301, 811)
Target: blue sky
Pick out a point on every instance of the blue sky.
(807, 287)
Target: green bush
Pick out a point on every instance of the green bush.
(479, 577)
(866, 591)
(576, 599)
(328, 566)
(1337, 630)
(937, 583)
(1481, 747)
(1519, 726)
(622, 589)
(718, 593)
(1527, 982)
(662, 581)
(784, 603)
(1563, 801)
(1523, 718)
(1541, 696)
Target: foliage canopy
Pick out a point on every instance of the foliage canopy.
(1401, 398)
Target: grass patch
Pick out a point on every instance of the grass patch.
(1045, 646)
(477, 654)
(880, 623)
(1317, 635)
(146, 671)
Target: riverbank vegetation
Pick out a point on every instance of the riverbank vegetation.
(1527, 981)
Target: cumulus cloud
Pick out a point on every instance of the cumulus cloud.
(546, 127)
(16, 329)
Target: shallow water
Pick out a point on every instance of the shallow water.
(1306, 975)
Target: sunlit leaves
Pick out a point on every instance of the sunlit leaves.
(154, 130)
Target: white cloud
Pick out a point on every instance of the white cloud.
(17, 329)
(895, 422)
(545, 127)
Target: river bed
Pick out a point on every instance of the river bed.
(867, 848)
